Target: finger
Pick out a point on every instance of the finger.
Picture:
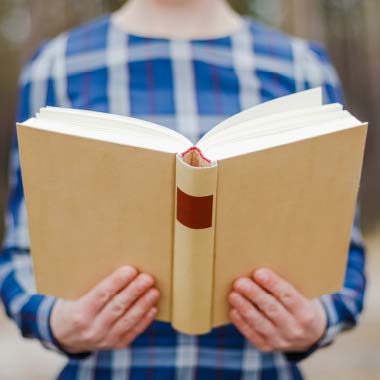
(100, 295)
(293, 301)
(251, 315)
(267, 304)
(122, 301)
(135, 314)
(138, 329)
(254, 337)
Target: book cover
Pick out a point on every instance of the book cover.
(192, 222)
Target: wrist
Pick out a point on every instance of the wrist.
(321, 320)
(56, 321)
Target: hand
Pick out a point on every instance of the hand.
(273, 315)
(110, 316)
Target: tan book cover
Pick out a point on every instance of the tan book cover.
(195, 224)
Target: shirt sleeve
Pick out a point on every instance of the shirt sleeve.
(344, 308)
(29, 310)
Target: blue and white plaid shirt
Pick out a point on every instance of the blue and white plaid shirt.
(187, 85)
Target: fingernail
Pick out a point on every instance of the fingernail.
(261, 275)
(153, 293)
(242, 283)
(146, 279)
(234, 314)
(231, 297)
(128, 272)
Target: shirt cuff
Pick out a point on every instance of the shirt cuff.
(333, 327)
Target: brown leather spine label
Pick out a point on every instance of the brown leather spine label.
(194, 212)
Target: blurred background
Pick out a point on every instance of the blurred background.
(348, 28)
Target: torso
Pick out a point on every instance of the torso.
(189, 86)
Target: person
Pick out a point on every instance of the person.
(186, 64)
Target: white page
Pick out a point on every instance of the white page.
(274, 123)
(108, 121)
(299, 100)
(277, 117)
(224, 151)
(143, 140)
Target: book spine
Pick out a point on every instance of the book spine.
(194, 233)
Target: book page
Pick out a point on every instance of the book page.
(290, 135)
(304, 99)
(110, 128)
(275, 124)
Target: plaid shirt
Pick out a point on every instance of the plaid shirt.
(188, 85)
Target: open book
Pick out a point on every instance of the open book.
(274, 186)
